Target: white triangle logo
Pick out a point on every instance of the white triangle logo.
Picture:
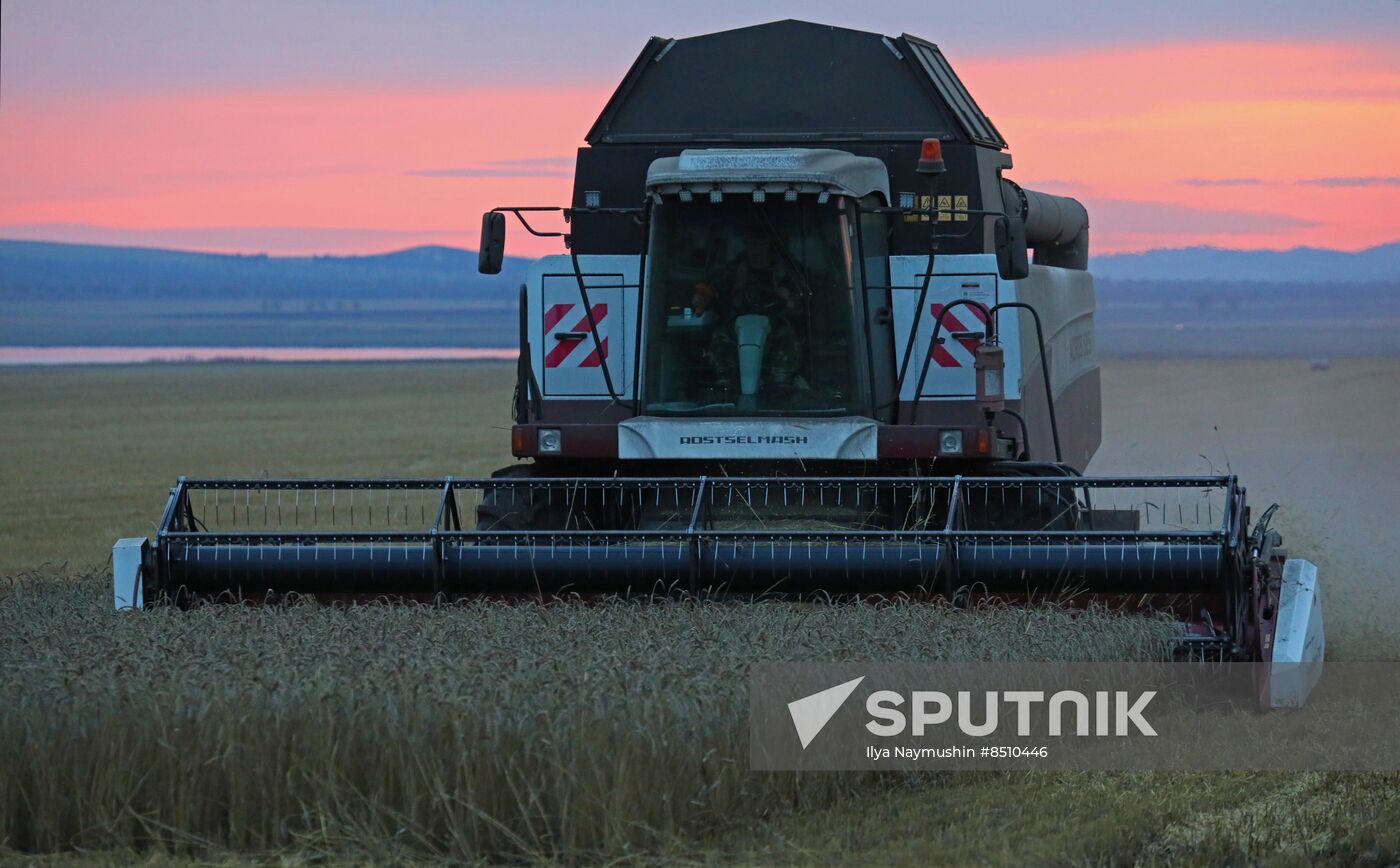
(811, 713)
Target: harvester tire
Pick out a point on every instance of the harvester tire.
(1057, 511)
(499, 510)
(540, 508)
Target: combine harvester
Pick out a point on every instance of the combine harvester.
(796, 347)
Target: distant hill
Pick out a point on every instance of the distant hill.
(90, 295)
(43, 267)
(1301, 264)
(89, 268)
(1197, 301)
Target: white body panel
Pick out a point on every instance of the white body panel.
(1299, 642)
(568, 366)
(1065, 301)
(611, 281)
(126, 573)
(571, 368)
(850, 437)
(973, 276)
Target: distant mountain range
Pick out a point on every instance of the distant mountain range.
(1198, 301)
(41, 264)
(1301, 264)
(89, 295)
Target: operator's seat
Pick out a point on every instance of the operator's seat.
(826, 316)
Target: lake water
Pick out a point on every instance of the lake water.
(140, 355)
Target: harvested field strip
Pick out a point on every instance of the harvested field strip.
(480, 731)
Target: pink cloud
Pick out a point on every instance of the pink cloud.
(319, 158)
(1108, 125)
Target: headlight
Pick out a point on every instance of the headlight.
(550, 441)
(950, 442)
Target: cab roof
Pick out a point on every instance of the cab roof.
(800, 170)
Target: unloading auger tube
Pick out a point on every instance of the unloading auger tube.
(1056, 226)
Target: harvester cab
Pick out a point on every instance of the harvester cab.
(794, 344)
(752, 304)
(751, 274)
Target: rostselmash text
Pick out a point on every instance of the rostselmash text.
(744, 440)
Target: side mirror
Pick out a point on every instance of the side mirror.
(1009, 235)
(493, 243)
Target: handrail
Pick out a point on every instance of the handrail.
(569, 214)
(933, 342)
(593, 329)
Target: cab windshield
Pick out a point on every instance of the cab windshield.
(750, 308)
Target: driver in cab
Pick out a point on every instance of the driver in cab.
(756, 282)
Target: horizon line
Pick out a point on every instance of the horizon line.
(468, 250)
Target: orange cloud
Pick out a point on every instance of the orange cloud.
(319, 158)
(1133, 132)
(1139, 124)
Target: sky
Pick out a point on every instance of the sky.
(311, 126)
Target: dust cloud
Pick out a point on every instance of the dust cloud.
(1322, 444)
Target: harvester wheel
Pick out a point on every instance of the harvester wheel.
(559, 507)
(507, 509)
(1031, 508)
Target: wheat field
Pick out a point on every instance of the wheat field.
(571, 733)
(483, 731)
